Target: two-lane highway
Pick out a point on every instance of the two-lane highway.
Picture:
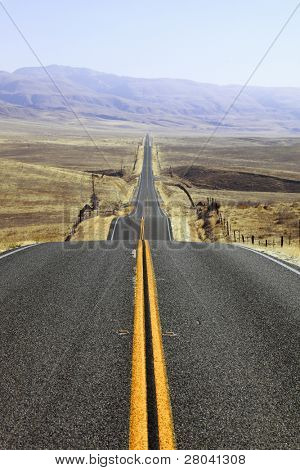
(65, 343)
(229, 348)
(146, 205)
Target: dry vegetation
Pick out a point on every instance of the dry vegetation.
(256, 181)
(46, 179)
(258, 155)
(111, 153)
(37, 203)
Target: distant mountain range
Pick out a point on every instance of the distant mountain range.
(28, 93)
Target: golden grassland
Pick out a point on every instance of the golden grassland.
(267, 215)
(257, 155)
(43, 186)
(16, 129)
(46, 179)
(110, 153)
(97, 228)
(38, 204)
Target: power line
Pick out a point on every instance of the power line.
(242, 89)
(67, 104)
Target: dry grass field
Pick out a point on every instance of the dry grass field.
(258, 155)
(37, 203)
(46, 178)
(256, 182)
(40, 204)
(111, 153)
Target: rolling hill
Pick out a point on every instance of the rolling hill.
(28, 93)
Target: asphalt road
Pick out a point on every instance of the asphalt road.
(157, 225)
(233, 347)
(65, 343)
(230, 320)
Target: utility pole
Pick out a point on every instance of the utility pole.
(93, 184)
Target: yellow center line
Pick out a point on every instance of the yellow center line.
(138, 427)
(142, 229)
(166, 433)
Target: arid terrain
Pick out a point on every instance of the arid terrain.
(46, 179)
(229, 190)
(239, 188)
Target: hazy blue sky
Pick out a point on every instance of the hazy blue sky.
(217, 41)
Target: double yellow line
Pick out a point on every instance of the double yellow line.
(138, 430)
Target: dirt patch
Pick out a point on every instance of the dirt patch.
(261, 155)
(235, 181)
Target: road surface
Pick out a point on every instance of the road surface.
(157, 225)
(233, 361)
(230, 325)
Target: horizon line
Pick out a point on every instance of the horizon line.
(232, 84)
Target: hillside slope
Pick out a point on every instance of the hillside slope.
(28, 93)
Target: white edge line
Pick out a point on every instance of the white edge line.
(160, 209)
(136, 201)
(272, 259)
(116, 223)
(163, 213)
(16, 251)
(169, 223)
